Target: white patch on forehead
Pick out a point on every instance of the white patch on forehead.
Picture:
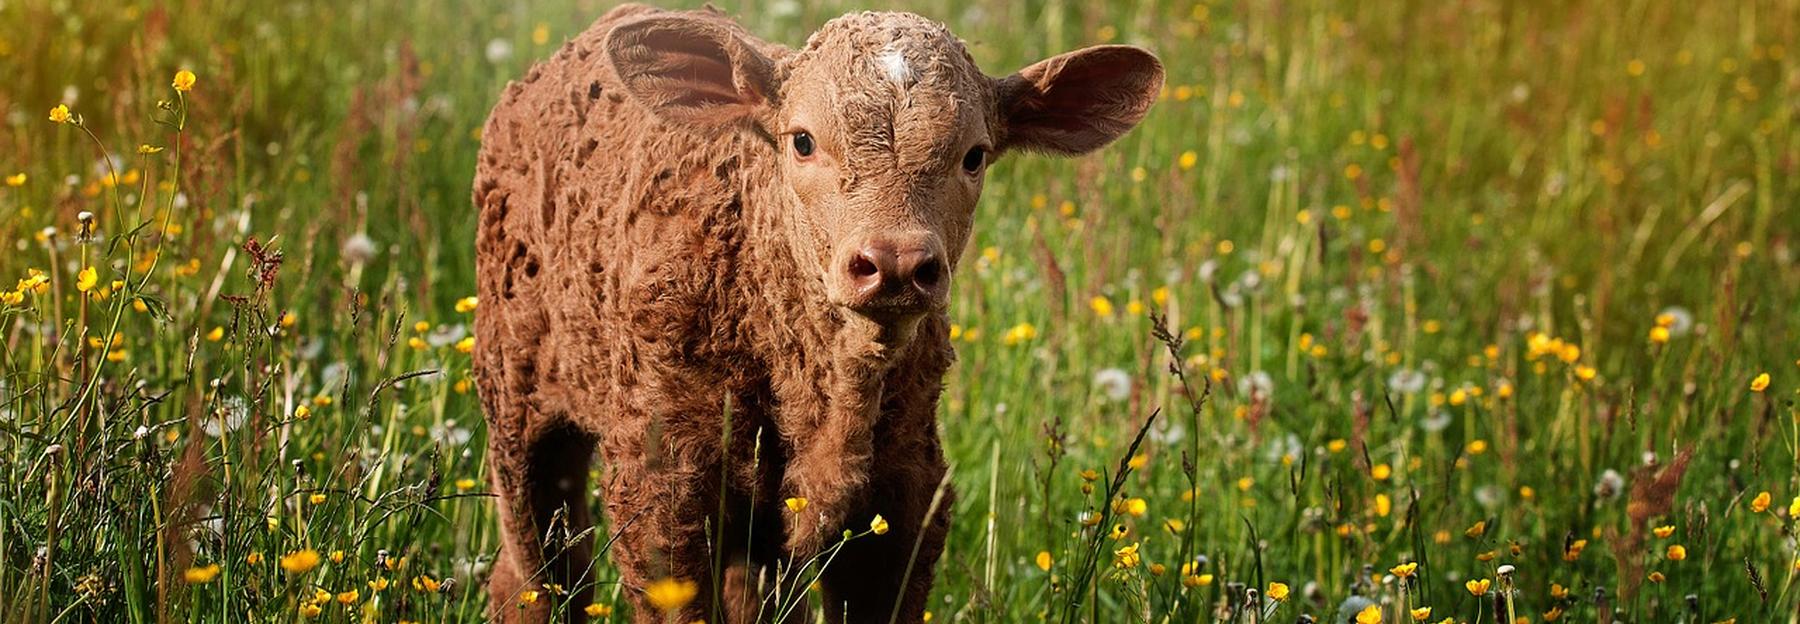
(892, 62)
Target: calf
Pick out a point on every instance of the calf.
(724, 263)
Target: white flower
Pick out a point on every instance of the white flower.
(1208, 270)
(333, 376)
(446, 335)
(1439, 420)
(228, 416)
(358, 249)
(1488, 496)
(1681, 321)
(1112, 383)
(499, 50)
(1256, 385)
(1610, 485)
(1288, 446)
(1406, 381)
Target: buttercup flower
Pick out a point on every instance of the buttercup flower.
(184, 81)
(1478, 587)
(671, 594)
(300, 562)
(201, 575)
(1278, 591)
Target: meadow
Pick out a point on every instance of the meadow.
(1477, 311)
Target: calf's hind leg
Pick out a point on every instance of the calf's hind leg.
(539, 474)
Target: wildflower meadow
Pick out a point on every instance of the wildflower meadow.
(1477, 311)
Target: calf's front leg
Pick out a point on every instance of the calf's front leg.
(659, 496)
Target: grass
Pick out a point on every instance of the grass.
(1476, 286)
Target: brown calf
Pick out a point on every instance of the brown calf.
(725, 263)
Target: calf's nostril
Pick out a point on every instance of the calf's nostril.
(927, 274)
(862, 267)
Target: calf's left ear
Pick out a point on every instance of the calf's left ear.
(693, 70)
(1078, 102)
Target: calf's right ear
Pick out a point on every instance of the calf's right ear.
(1078, 102)
(693, 71)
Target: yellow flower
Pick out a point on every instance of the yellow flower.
(1478, 587)
(1657, 577)
(1760, 503)
(16, 180)
(1127, 557)
(671, 594)
(1188, 159)
(184, 81)
(1196, 580)
(796, 504)
(318, 498)
(1119, 532)
(148, 149)
(1102, 306)
(466, 345)
(1405, 570)
(379, 584)
(217, 334)
(1421, 614)
(465, 304)
(1174, 525)
(300, 562)
(61, 115)
(1554, 614)
(201, 575)
(1023, 332)
(1760, 383)
(1044, 561)
(1278, 592)
(1369, 615)
(528, 596)
(310, 610)
(349, 597)
(86, 280)
(336, 556)
(1574, 550)
(598, 610)
(1676, 552)
(1476, 530)
(879, 525)
(253, 558)
(1659, 335)
(465, 484)
(1664, 531)
(1381, 472)
(1558, 592)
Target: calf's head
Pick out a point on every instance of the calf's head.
(884, 129)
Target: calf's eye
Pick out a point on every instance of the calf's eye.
(803, 144)
(973, 160)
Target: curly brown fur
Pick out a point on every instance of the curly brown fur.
(656, 259)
